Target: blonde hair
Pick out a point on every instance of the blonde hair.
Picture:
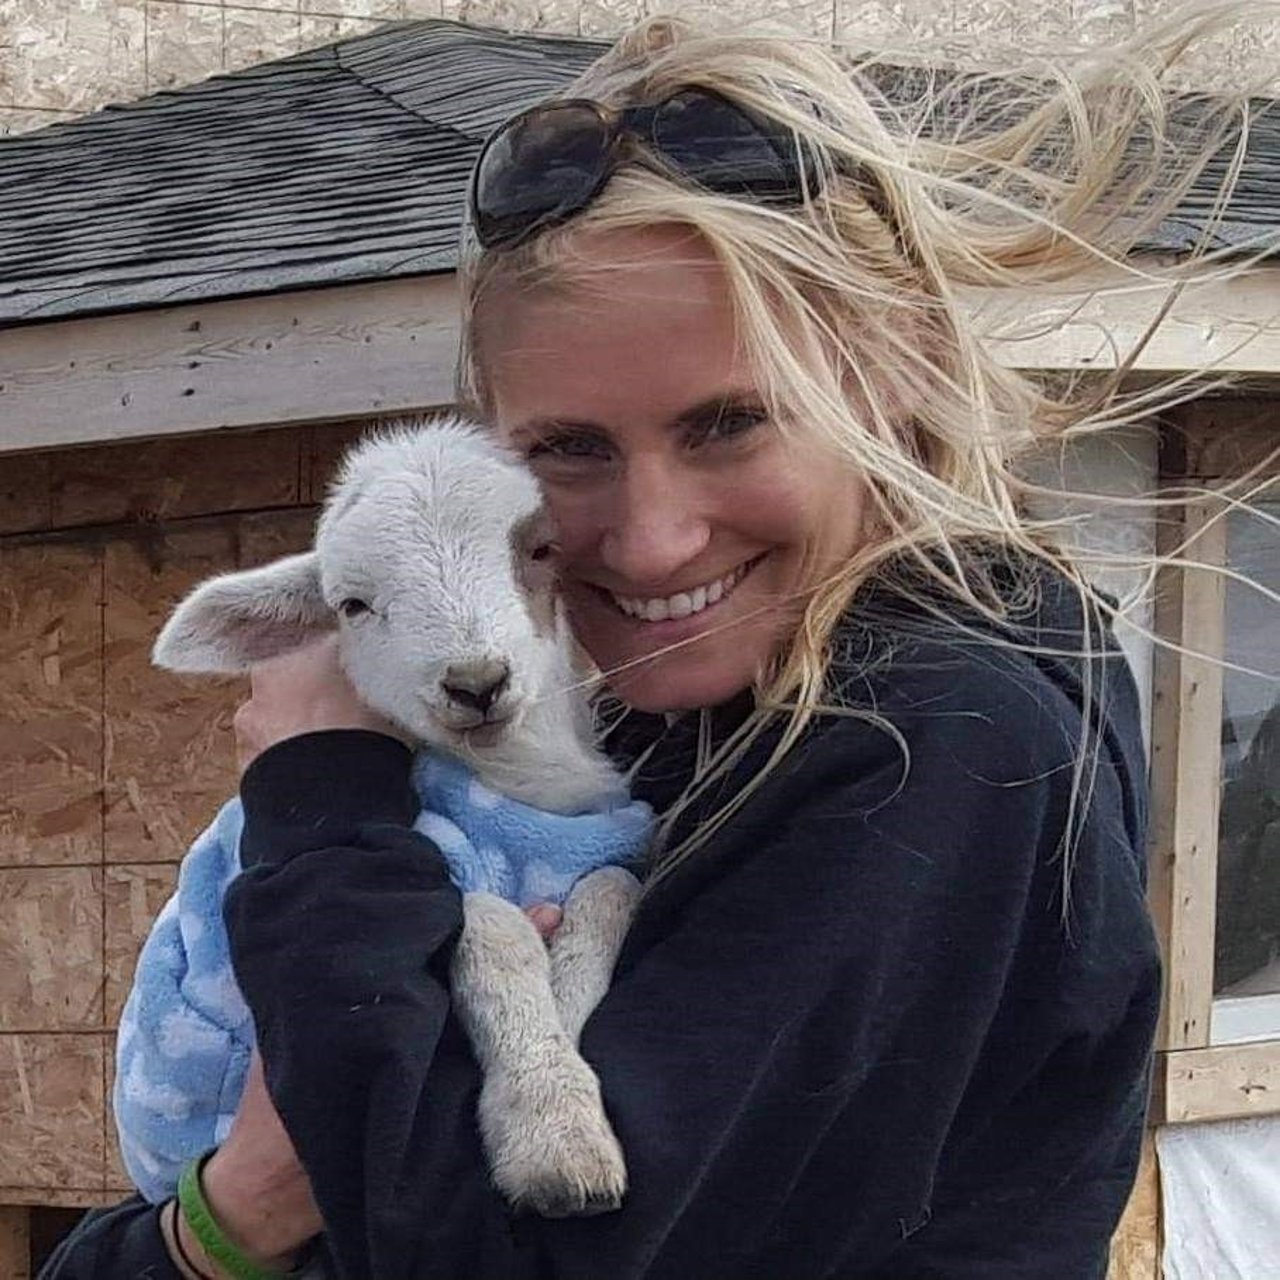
(850, 305)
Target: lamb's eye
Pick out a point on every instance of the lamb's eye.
(542, 551)
(353, 608)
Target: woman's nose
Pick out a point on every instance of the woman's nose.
(655, 526)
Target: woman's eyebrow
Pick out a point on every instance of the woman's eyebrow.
(548, 425)
(715, 405)
(709, 407)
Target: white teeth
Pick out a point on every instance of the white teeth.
(683, 604)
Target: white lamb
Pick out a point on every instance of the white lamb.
(433, 559)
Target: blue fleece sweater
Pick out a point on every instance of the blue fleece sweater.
(186, 1034)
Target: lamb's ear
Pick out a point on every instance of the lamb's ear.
(232, 621)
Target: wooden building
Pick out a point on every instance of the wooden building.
(205, 294)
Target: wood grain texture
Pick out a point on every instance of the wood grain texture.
(150, 481)
(133, 895)
(51, 1104)
(57, 1197)
(1186, 768)
(1220, 1083)
(169, 760)
(1136, 1245)
(287, 358)
(116, 1178)
(50, 705)
(273, 534)
(51, 949)
(382, 348)
(15, 1242)
(325, 446)
(1231, 437)
(25, 502)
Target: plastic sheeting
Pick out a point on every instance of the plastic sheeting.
(1221, 1188)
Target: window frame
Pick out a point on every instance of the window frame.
(1200, 1075)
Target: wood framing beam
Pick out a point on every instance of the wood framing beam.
(390, 346)
(1219, 1083)
(1227, 327)
(281, 359)
(1186, 767)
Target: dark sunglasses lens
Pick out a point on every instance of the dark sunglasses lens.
(721, 147)
(539, 168)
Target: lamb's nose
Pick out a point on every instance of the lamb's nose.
(476, 685)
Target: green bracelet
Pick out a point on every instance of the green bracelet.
(204, 1226)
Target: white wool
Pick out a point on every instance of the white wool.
(429, 524)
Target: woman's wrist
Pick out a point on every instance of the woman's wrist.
(265, 1219)
(181, 1248)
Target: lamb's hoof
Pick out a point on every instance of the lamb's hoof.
(576, 1207)
(552, 1149)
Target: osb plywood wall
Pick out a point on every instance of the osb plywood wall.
(108, 767)
(60, 58)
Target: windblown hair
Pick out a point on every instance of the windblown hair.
(849, 307)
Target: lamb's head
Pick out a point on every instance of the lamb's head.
(434, 560)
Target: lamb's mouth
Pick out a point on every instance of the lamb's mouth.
(684, 604)
(486, 734)
(481, 732)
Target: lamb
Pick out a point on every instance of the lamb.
(434, 561)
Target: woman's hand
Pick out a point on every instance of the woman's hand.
(546, 917)
(256, 1187)
(301, 692)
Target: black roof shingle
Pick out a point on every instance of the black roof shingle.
(345, 163)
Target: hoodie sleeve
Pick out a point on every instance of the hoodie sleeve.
(894, 1021)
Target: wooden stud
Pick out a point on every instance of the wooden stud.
(1219, 1083)
(1185, 769)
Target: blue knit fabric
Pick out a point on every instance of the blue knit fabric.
(186, 1034)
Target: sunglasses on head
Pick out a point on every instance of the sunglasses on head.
(550, 162)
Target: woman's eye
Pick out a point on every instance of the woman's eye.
(731, 423)
(569, 448)
(353, 608)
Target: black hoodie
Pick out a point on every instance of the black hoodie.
(862, 1032)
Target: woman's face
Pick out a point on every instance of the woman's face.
(689, 527)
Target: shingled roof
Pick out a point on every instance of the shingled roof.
(345, 163)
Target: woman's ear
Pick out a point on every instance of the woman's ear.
(233, 621)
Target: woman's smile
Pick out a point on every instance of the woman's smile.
(683, 604)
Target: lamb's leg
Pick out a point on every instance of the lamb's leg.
(586, 945)
(549, 1142)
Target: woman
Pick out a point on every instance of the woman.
(887, 1007)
